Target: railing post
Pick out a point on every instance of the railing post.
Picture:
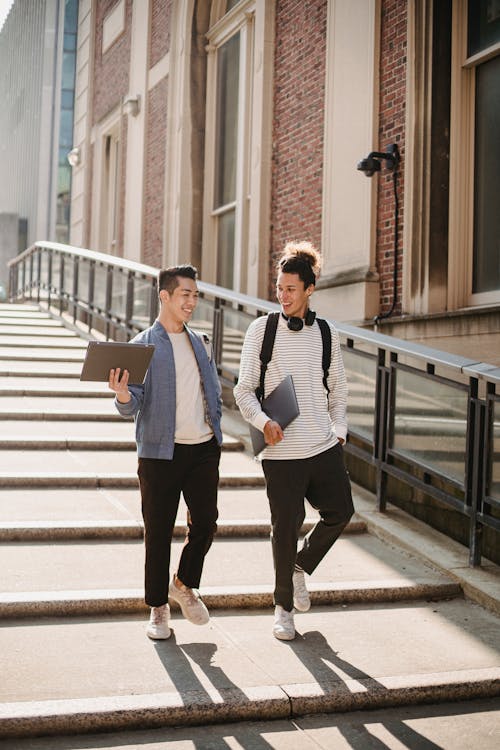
(49, 277)
(380, 427)
(129, 304)
(153, 300)
(108, 299)
(39, 274)
(218, 331)
(61, 284)
(90, 300)
(76, 266)
(475, 469)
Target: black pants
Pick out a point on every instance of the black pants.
(194, 471)
(324, 481)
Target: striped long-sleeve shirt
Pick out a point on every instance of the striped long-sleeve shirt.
(296, 353)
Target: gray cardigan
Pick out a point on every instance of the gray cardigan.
(152, 404)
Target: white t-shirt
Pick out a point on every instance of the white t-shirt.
(190, 423)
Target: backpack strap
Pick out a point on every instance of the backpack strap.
(266, 351)
(326, 335)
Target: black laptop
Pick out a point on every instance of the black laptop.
(103, 356)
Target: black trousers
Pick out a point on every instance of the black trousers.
(324, 481)
(194, 471)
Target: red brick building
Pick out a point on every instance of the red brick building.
(214, 132)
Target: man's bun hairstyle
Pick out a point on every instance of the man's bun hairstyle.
(303, 259)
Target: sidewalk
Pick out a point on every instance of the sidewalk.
(398, 618)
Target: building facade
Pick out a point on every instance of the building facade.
(214, 131)
(37, 79)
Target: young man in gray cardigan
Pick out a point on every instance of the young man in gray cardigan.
(177, 412)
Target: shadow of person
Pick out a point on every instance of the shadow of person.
(212, 693)
(328, 668)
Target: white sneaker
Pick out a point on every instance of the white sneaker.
(190, 602)
(301, 598)
(157, 628)
(283, 629)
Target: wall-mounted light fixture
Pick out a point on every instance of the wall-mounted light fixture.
(371, 164)
(74, 157)
(132, 105)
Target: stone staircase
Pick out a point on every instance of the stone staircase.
(389, 626)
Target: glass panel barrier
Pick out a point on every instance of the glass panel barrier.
(495, 456)
(100, 276)
(83, 281)
(142, 302)
(361, 374)
(69, 275)
(430, 425)
(119, 294)
(44, 272)
(56, 272)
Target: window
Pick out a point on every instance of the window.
(484, 31)
(238, 145)
(110, 193)
(226, 149)
(474, 244)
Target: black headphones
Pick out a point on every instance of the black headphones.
(296, 324)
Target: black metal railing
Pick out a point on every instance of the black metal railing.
(424, 418)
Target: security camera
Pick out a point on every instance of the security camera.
(371, 164)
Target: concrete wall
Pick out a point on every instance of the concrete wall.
(9, 236)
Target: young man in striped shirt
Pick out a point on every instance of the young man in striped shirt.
(304, 461)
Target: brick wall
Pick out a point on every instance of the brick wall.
(154, 174)
(299, 100)
(391, 130)
(160, 30)
(111, 70)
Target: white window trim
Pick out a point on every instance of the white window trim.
(255, 20)
(462, 132)
(110, 127)
(348, 288)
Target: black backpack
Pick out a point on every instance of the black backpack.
(266, 351)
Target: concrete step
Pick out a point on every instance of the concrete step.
(63, 342)
(459, 725)
(86, 675)
(107, 576)
(92, 468)
(40, 370)
(30, 354)
(77, 435)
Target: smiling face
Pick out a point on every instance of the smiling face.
(178, 306)
(292, 295)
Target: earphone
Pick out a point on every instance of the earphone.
(296, 324)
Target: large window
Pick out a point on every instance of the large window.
(484, 36)
(226, 162)
(110, 192)
(238, 145)
(474, 221)
(66, 120)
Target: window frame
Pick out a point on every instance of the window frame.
(462, 165)
(255, 23)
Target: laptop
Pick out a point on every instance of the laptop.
(281, 406)
(103, 356)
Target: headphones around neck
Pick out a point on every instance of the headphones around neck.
(296, 324)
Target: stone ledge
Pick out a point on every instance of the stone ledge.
(210, 706)
(130, 601)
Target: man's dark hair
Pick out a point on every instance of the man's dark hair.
(167, 278)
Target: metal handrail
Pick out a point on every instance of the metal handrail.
(420, 416)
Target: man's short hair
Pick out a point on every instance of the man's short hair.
(168, 277)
